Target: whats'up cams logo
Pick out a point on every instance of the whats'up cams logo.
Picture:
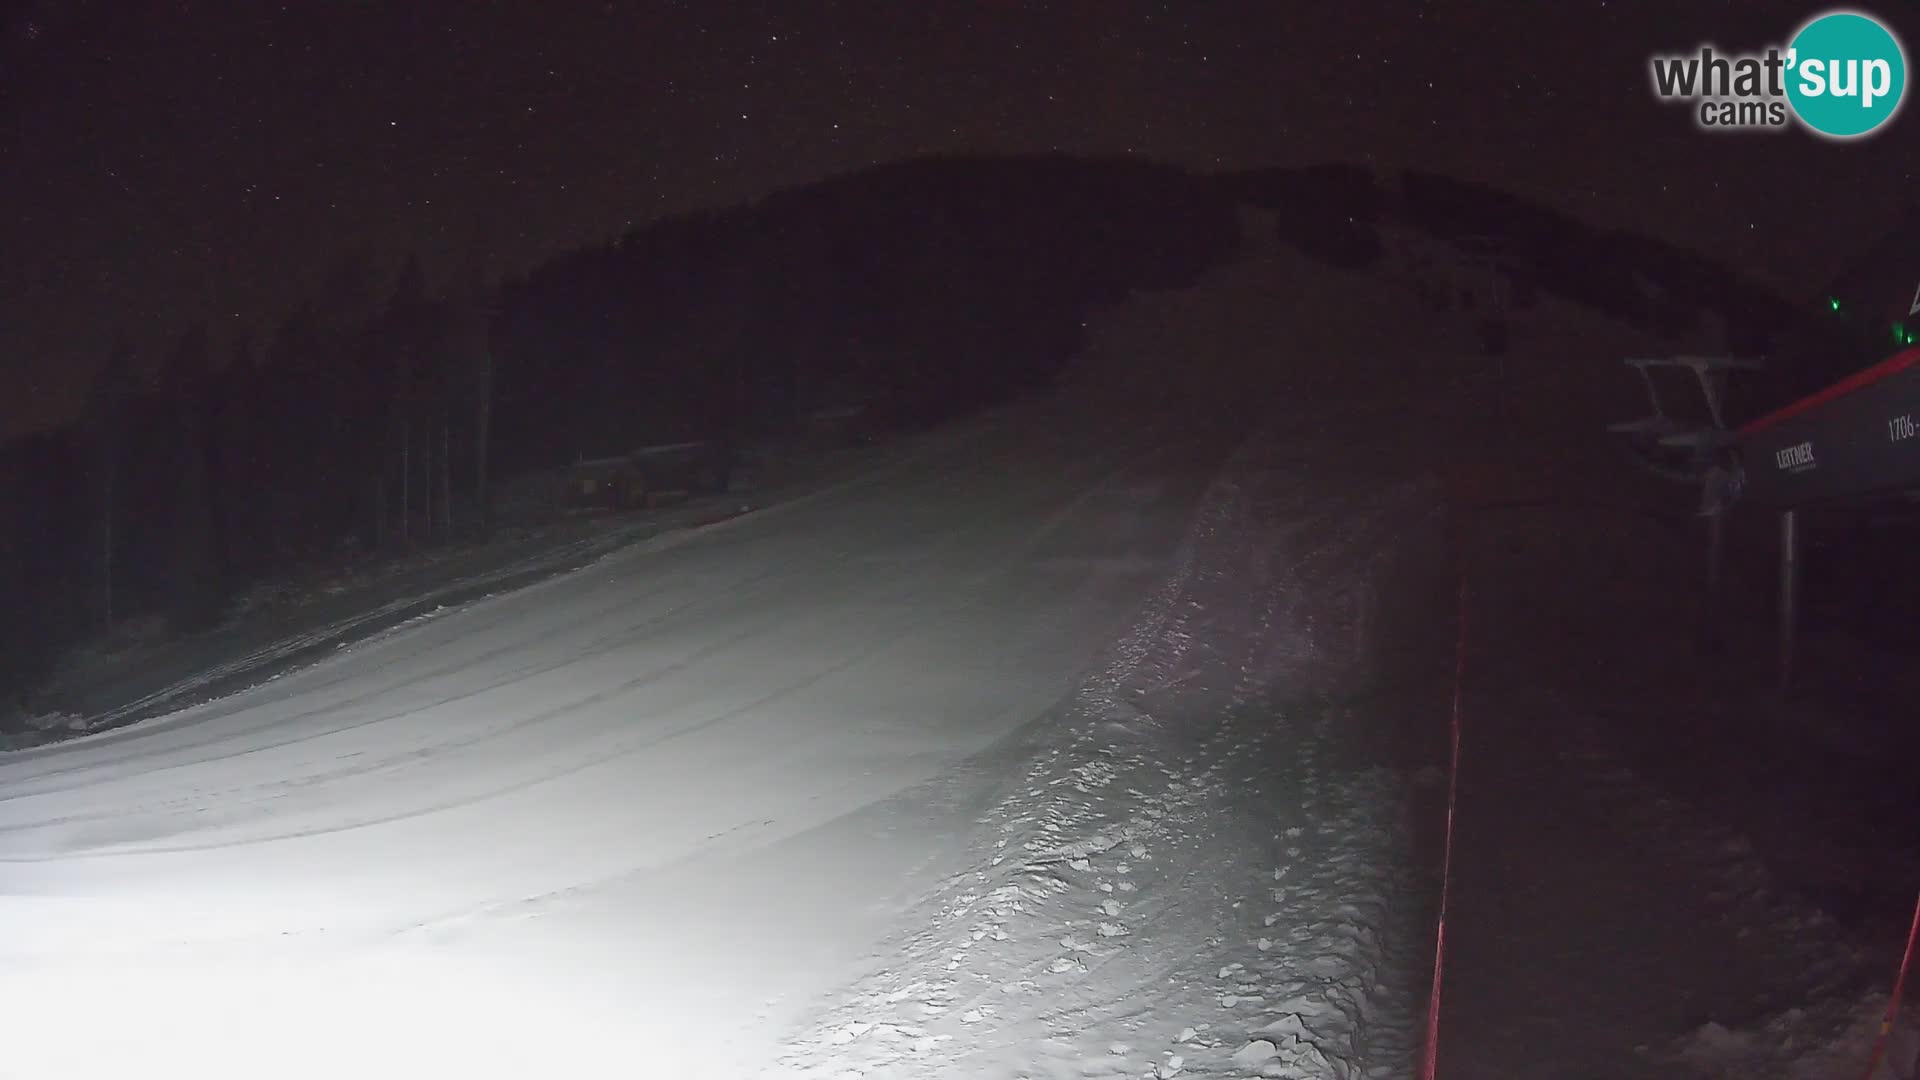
(1841, 76)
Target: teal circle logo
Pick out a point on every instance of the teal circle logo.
(1847, 75)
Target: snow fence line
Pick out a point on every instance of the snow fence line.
(1468, 494)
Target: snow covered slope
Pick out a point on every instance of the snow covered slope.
(648, 790)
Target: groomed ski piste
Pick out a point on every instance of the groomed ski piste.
(1103, 735)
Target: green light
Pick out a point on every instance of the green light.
(1900, 335)
(1833, 302)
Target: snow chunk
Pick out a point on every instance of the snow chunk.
(1254, 1053)
(1717, 1040)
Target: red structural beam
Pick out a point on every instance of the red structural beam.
(1894, 364)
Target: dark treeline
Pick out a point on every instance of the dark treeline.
(376, 417)
(925, 289)
(189, 476)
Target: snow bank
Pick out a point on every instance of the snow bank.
(1828, 1040)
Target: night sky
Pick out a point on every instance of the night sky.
(166, 162)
